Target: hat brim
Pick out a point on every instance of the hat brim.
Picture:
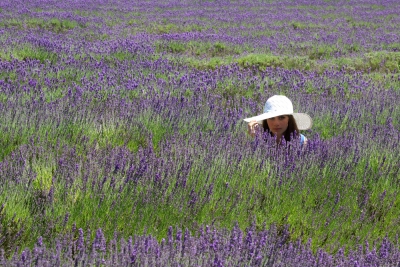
(303, 120)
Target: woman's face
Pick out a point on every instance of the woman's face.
(278, 125)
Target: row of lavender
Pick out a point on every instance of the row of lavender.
(109, 134)
(211, 247)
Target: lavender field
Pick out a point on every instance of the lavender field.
(122, 140)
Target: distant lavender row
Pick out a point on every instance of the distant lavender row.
(285, 28)
(209, 247)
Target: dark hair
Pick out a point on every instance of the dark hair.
(292, 130)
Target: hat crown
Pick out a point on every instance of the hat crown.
(278, 104)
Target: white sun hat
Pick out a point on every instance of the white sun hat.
(278, 105)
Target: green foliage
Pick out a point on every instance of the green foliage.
(3, 97)
(265, 32)
(57, 25)
(198, 49)
(27, 51)
(378, 7)
(133, 21)
(175, 47)
(35, 23)
(7, 75)
(11, 229)
(307, 7)
(392, 46)
(44, 175)
(121, 56)
(260, 60)
(85, 13)
(353, 47)
(350, 64)
(113, 58)
(298, 25)
(211, 63)
(171, 28)
(52, 94)
(11, 23)
(71, 75)
(228, 89)
(364, 24)
(137, 135)
(219, 47)
(53, 24)
(112, 22)
(133, 137)
(263, 61)
(322, 51)
(10, 141)
(382, 61)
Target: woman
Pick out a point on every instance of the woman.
(279, 120)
